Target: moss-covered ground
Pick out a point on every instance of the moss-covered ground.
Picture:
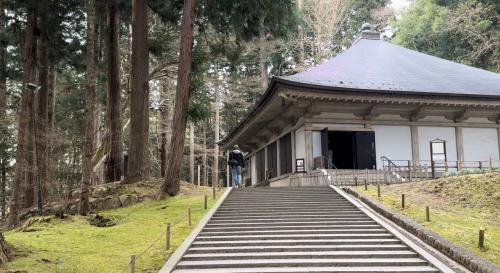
(73, 245)
(459, 207)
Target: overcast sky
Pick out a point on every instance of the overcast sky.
(399, 5)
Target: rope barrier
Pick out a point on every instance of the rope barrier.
(184, 217)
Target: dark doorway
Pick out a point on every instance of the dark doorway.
(350, 150)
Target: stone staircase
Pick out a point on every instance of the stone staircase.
(308, 229)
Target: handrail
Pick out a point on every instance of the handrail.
(390, 163)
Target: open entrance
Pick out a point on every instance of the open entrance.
(349, 149)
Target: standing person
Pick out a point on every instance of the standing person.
(236, 162)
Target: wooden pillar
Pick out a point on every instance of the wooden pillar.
(228, 172)
(292, 136)
(498, 134)
(278, 157)
(415, 152)
(266, 169)
(309, 147)
(460, 144)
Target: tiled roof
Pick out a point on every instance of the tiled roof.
(372, 64)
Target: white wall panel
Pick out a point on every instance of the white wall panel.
(394, 142)
(480, 144)
(300, 143)
(316, 135)
(426, 134)
(253, 169)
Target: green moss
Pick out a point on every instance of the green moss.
(454, 220)
(73, 245)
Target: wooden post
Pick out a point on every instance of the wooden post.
(480, 165)
(132, 263)
(426, 173)
(355, 181)
(367, 176)
(458, 166)
(366, 185)
(433, 169)
(213, 190)
(427, 214)
(189, 216)
(167, 239)
(491, 165)
(403, 201)
(378, 190)
(446, 165)
(481, 238)
(206, 201)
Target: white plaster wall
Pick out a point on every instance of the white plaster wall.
(426, 134)
(300, 143)
(480, 144)
(394, 142)
(253, 169)
(316, 135)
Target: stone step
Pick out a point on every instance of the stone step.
(285, 210)
(288, 204)
(292, 218)
(294, 227)
(314, 236)
(301, 255)
(313, 269)
(296, 223)
(310, 248)
(288, 216)
(278, 213)
(259, 207)
(295, 242)
(295, 231)
(302, 262)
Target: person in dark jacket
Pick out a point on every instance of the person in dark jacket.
(237, 163)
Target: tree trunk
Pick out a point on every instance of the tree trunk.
(215, 169)
(52, 95)
(183, 93)
(3, 187)
(114, 161)
(4, 250)
(165, 124)
(23, 122)
(90, 102)
(42, 112)
(3, 113)
(302, 53)
(138, 152)
(264, 77)
(191, 153)
(205, 165)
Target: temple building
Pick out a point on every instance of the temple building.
(374, 105)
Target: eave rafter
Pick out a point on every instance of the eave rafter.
(461, 115)
(415, 115)
(495, 118)
(372, 112)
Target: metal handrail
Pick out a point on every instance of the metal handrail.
(390, 163)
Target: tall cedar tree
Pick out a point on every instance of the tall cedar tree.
(3, 111)
(23, 121)
(183, 92)
(42, 113)
(90, 101)
(138, 153)
(114, 161)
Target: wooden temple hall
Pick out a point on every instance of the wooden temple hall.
(377, 110)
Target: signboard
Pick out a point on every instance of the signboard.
(300, 166)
